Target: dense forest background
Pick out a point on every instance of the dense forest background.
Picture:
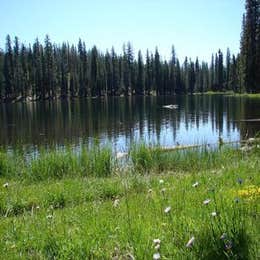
(48, 71)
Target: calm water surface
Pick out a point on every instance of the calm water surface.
(120, 121)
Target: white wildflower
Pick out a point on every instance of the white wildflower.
(49, 216)
(156, 256)
(196, 184)
(6, 185)
(163, 190)
(214, 214)
(190, 242)
(156, 241)
(38, 207)
(150, 191)
(167, 210)
(161, 181)
(223, 236)
(206, 202)
(116, 203)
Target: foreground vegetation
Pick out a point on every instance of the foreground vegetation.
(147, 205)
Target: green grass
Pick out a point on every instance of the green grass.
(256, 95)
(232, 93)
(229, 92)
(89, 206)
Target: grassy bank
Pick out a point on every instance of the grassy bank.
(92, 206)
(232, 93)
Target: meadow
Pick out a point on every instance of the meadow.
(199, 203)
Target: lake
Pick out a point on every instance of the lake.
(120, 121)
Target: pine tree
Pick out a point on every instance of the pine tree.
(9, 69)
(257, 66)
(48, 69)
(95, 89)
(179, 84)
(234, 84)
(108, 68)
(130, 67)
(1, 75)
(157, 73)
(198, 80)
(25, 78)
(191, 77)
(74, 72)
(64, 71)
(17, 69)
(186, 76)
(220, 79)
(205, 86)
(249, 59)
(227, 77)
(82, 69)
(140, 75)
(39, 86)
(172, 80)
(115, 73)
(212, 73)
(30, 67)
(148, 74)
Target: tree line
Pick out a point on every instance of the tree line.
(49, 71)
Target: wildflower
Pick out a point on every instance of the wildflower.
(6, 185)
(240, 181)
(49, 216)
(167, 210)
(116, 203)
(251, 140)
(163, 190)
(236, 200)
(206, 202)
(190, 242)
(250, 192)
(223, 236)
(157, 247)
(150, 191)
(161, 181)
(214, 214)
(156, 256)
(228, 245)
(196, 184)
(156, 241)
(38, 207)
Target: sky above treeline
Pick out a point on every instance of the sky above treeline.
(195, 27)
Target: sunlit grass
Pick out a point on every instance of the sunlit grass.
(84, 208)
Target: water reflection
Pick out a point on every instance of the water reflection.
(198, 119)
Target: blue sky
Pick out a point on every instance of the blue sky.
(195, 27)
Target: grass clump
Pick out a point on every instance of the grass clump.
(96, 161)
(53, 164)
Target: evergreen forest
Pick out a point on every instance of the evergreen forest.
(48, 70)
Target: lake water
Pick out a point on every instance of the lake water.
(119, 121)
